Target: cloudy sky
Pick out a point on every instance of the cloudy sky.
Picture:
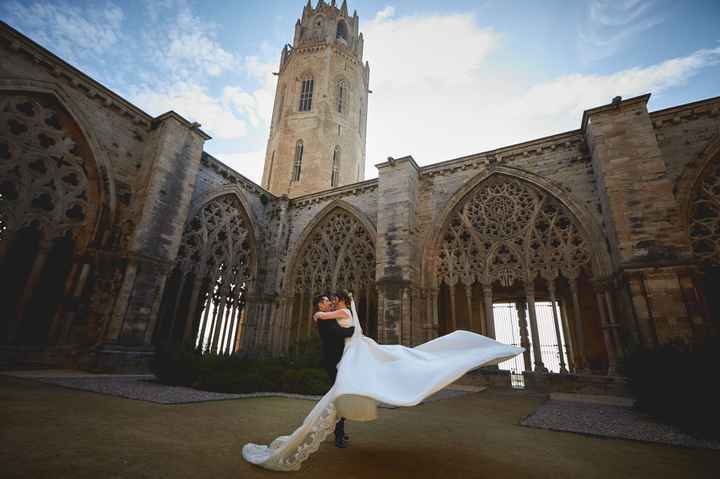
(448, 78)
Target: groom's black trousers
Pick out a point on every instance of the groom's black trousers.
(340, 425)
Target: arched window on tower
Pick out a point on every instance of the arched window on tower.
(297, 163)
(306, 93)
(335, 172)
(340, 96)
(341, 31)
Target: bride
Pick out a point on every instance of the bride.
(369, 373)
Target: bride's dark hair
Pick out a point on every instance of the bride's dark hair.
(344, 297)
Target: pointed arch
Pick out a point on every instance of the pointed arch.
(600, 261)
(699, 200)
(216, 265)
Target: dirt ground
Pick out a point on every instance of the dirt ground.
(54, 432)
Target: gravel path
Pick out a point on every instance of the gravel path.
(609, 421)
(147, 389)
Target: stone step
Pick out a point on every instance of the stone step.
(594, 399)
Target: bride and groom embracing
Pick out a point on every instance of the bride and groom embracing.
(368, 373)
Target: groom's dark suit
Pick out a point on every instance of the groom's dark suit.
(332, 337)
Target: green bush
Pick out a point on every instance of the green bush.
(234, 374)
(676, 383)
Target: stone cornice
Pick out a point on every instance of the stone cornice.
(320, 46)
(233, 176)
(405, 159)
(571, 140)
(688, 112)
(642, 99)
(353, 189)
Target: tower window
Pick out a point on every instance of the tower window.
(297, 163)
(335, 172)
(306, 93)
(340, 96)
(341, 31)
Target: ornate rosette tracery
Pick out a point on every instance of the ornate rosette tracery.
(507, 230)
(43, 173)
(339, 254)
(216, 242)
(705, 215)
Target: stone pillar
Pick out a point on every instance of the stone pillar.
(396, 254)
(166, 180)
(641, 214)
(537, 355)
(489, 310)
(15, 327)
(569, 336)
(551, 290)
(581, 363)
(192, 310)
(524, 340)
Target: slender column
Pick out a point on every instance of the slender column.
(220, 317)
(489, 313)
(367, 310)
(190, 318)
(77, 292)
(524, 340)
(453, 326)
(582, 360)
(537, 354)
(233, 327)
(30, 286)
(204, 320)
(435, 316)
(613, 325)
(67, 296)
(607, 336)
(300, 317)
(551, 289)
(569, 338)
(241, 327)
(309, 319)
(468, 299)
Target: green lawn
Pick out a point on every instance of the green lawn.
(48, 431)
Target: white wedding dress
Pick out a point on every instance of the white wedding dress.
(371, 372)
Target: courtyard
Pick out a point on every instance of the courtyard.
(51, 431)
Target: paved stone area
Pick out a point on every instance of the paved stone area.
(610, 421)
(144, 387)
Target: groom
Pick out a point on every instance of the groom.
(332, 336)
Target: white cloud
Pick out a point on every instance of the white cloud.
(439, 94)
(611, 23)
(193, 102)
(249, 164)
(69, 30)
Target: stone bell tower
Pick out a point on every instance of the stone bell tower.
(317, 134)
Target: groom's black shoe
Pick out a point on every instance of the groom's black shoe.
(346, 438)
(340, 442)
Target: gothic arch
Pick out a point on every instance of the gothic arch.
(106, 181)
(53, 205)
(214, 271)
(336, 250)
(699, 197)
(601, 263)
(687, 184)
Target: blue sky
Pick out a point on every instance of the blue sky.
(448, 78)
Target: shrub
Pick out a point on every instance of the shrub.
(676, 383)
(235, 374)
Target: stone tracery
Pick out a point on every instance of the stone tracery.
(705, 215)
(216, 256)
(509, 231)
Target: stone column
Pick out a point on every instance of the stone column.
(434, 313)
(166, 180)
(524, 340)
(537, 355)
(468, 299)
(607, 335)
(15, 327)
(192, 310)
(581, 363)
(489, 311)
(396, 255)
(569, 336)
(551, 290)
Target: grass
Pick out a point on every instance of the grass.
(54, 432)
